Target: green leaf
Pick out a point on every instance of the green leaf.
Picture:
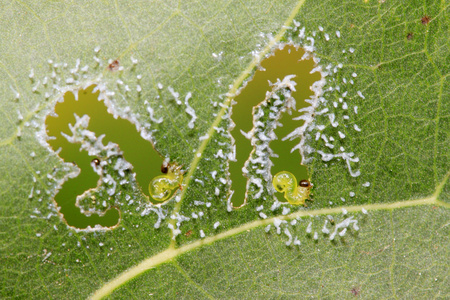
(399, 249)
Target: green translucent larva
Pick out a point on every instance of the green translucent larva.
(163, 187)
(285, 182)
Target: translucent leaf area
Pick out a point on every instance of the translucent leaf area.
(376, 144)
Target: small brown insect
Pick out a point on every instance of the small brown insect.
(409, 36)
(96, 161)
(114, 66)
(188, 233)
(425, 20)
(304, 183)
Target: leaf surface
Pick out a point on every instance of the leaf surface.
(401, 247)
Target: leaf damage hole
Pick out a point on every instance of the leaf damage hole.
(289, 60)
(113, 158)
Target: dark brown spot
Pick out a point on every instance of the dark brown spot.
(95, 161)
(305, 183)
(164, 168)
(409, 36)
(114, 66)
(425, 20)
(355, 291)
(188, 233)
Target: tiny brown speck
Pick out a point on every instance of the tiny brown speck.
(409, 36)
(355, 291)
(114, 66)
(425, 20)
(96, 161)
(304, 183)
(164, 168)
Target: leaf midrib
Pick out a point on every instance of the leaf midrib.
(171, 253)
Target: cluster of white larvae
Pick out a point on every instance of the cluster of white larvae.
(349, 223)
